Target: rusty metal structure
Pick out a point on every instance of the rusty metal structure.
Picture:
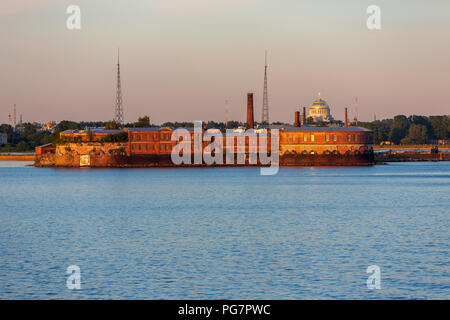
(346, 117)
(250, 114)
(265, 108)
(119, 103)
(297, 119)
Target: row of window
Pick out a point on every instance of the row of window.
(328, 138)
(154, 136)
(320, 111)
(147, 147)
(312, 139)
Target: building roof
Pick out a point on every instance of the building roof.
(143, 129)
(46, 145)
(93, 130)
(306, 128)
(319, 103)
(155, 129)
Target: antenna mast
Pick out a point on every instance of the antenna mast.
(226, 114)
(265, 109)
(119, 107)
(15, 116)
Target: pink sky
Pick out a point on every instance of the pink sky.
(181, 59)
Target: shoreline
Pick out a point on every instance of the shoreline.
(406, 148)
(17, 157)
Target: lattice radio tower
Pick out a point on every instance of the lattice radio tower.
(119, 107)
(265, 108)
(15, 117)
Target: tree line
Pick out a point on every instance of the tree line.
(410, 130)
(399, 130)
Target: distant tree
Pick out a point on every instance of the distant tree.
(399, 129)
(401, 122)
(418, 133)
(55, 136)
(92, 124)
(28, 129)
(68, 125)
(143, 122)
(406, 141)
(22, 146)
(111, 125)
(440, 127)
(6, 128)
(396, 135)
(121, 137)
(90, 136)
(234, 124)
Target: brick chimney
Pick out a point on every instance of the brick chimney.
(297, 119)
(346, 118)
(304, 115)
(250, 117)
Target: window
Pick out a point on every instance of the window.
(146, 137)
(348, 138)
(305, 137)
(354, 137)
(153, 147)
(312, 138)
(327, 137)
(140, 147)
(139, 137)
(146, 147)
(334, 138)
(154, 136)
(132, 147)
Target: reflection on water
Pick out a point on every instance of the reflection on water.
(17, 164)
(225, 232)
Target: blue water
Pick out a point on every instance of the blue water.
(225, 233)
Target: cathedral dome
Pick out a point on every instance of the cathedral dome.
(319, 103)
(319, 110)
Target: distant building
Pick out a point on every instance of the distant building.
(3, 139)
(49, 126)
(320, 111)
(325, 140)
(46, 148)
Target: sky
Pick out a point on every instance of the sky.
(181, 59)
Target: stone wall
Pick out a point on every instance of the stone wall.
(91, 154)
(96, 154)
